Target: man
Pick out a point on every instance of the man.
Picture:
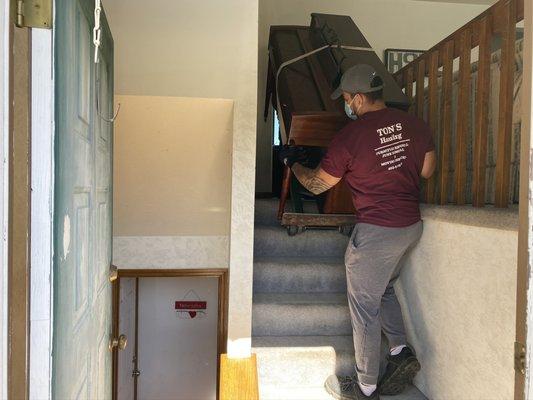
(381, 155)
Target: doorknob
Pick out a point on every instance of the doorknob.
(113, 273)
(121, 342)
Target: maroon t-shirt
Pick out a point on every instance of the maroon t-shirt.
(380, 155)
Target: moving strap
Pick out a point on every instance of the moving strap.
(284, 136)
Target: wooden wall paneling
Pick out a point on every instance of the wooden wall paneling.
(433, 110)
(481, 113)
(446, 121)
(505, 118)
(463, 109)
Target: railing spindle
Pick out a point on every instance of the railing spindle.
(433, 109)
(420, 85)
(420, 94)
(463, 113)
(482, 113)
(408, 80)
(446, 136)
(505, 125)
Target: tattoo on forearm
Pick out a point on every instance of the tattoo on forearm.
(309, 179)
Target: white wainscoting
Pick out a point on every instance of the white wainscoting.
(170, 252)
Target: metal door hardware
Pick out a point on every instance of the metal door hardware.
(520, 358)
(34, 13)
(113, 273)
(121, 342)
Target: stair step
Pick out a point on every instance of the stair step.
(272, 241)
(299, 275)
(294, 314)
(266, 211)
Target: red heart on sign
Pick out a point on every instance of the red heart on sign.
(192, 314)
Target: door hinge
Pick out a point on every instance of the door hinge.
(34, 13)
(520, 358)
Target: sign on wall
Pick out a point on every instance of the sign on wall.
(191, 306)
(396, 59)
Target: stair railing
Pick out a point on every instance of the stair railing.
(500, 19)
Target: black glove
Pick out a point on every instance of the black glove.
(289, 155)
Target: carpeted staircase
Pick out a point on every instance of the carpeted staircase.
(301, 326)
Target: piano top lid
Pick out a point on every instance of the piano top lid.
(341, 29)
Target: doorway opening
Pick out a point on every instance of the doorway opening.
(171, 329)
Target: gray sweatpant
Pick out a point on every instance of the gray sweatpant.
(373, 261)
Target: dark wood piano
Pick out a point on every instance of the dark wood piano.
(307, 115)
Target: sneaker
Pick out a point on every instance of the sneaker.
(346, 388)
(400, 372)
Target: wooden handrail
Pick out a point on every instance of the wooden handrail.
(494, 13)
(500, 19)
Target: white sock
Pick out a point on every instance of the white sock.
(367, 389)
(397, 350)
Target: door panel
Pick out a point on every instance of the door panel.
(126, 358)
(177, 350)
(83, 206)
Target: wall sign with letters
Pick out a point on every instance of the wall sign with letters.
(190, 306)
(396, 59)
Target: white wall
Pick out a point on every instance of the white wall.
(172, 182)
(202, 49)
(172, 166)
(458, 295)
(385, 24)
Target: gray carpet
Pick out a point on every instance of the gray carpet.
(301, 326)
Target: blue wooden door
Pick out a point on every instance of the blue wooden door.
(83, 206)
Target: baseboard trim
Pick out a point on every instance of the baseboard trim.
(238, 378)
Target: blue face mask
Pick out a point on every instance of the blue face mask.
(348, 110)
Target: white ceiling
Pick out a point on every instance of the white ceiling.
(487, 2)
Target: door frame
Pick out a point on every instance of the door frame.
(17, 175)
(524, 298)
(27, 122)
(42, 213)
(5, 120)
(222, 274)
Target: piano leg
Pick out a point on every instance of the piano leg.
(285, 185)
